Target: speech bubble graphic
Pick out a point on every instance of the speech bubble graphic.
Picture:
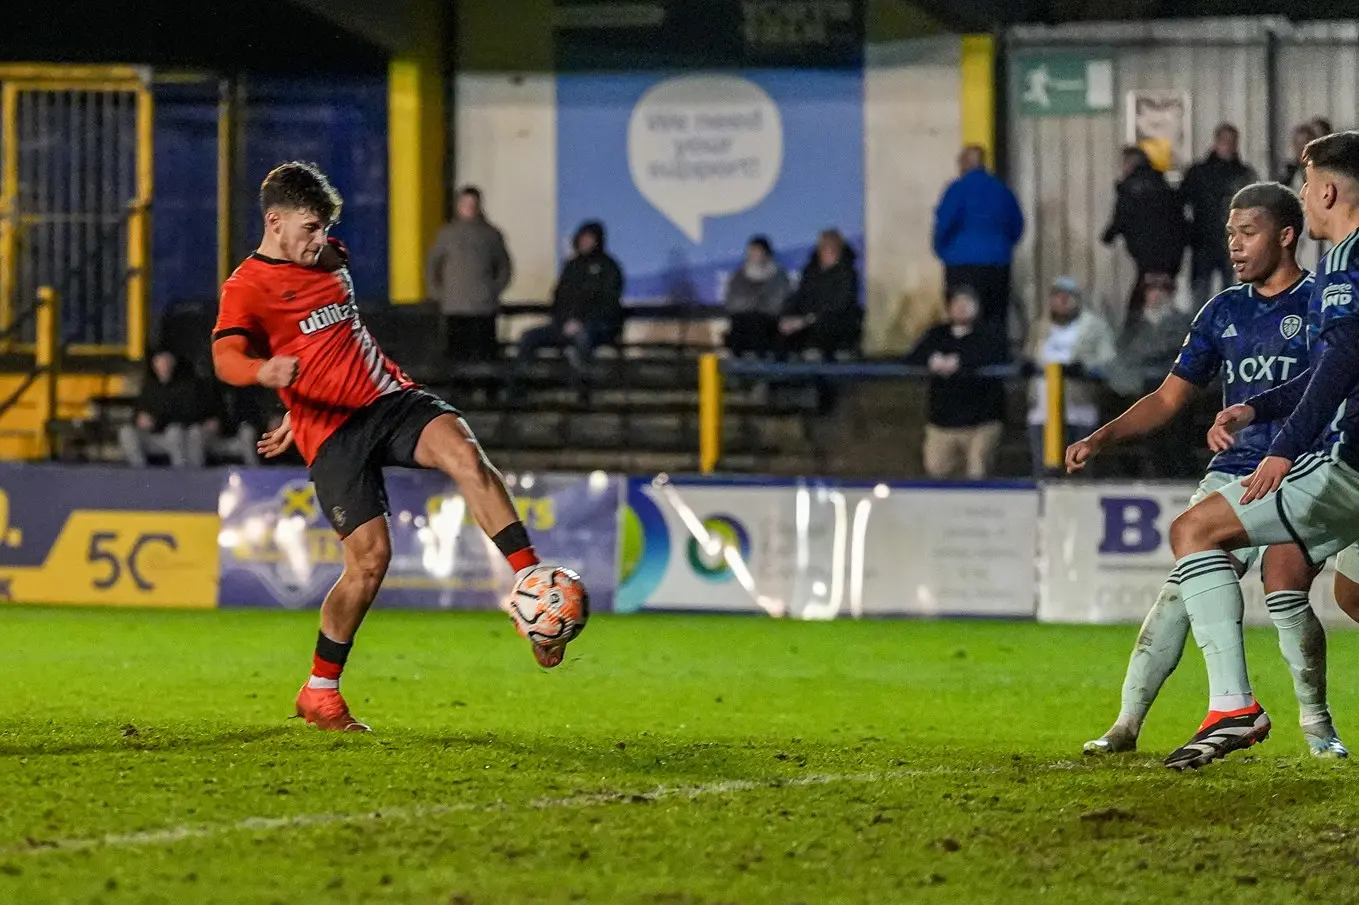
(704, 146)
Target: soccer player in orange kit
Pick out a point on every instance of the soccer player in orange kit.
(288, 320)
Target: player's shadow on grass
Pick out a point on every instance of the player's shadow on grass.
(653, 756)
(114, 740)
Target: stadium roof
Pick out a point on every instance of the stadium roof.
(218, 34)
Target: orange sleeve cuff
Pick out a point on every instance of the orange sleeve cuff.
(232, 363)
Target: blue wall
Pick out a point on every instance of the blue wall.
(339, 123)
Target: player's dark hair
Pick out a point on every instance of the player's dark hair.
(470, 191)
(762, 242)
(300, 186)
(1336, 153)
(1278, 201)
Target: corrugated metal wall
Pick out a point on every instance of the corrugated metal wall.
(1064, 168)
(1319, 74)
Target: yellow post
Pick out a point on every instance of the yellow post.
(1054, 431)
(138, 233)
(9, 189)
(709, 412)
(47, 357)
(226, 126)
(977, 101)
(415, 167)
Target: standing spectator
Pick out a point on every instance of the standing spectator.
(824, 311)
(587, 303)
(468, 268)
(1208, 188)
(1081, 341)
(966, 412)
(755, 299)
(174, 410)
(976, 227)
(1149, 215)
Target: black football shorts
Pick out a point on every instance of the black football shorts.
(347, 470)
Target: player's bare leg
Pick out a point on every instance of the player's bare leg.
(367, 553)
(1288, 578)
(1346, 587)
(1201, 538)
(448, 445)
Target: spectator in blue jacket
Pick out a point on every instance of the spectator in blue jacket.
(976, 227)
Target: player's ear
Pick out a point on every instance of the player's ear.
(272, 218)
(1287, 237)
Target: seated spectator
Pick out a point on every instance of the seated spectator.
(824, 312)
(587, 303)
(1149, 343)
(1083, 342)
(966, 412)
(755, 299)
(176, 414)
(1146, 350)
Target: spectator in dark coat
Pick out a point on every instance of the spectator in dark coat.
(966, 412)
(179, 416)
(976, 227)
(1208, 188)
(824, 312)
(587, 303)
(755, 299)
(1149, 215)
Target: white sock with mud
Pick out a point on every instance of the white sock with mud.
(1212, 597)
(1302, 641)
(1160, 642)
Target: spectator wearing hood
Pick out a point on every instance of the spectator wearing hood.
(1208, 189)
(976, 226)
(467, 270)
(755, 299)
(1082, 342)
(1149, 215)
(587, 303)
(824, 312)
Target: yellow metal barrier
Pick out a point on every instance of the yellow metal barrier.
(47, 357)
(709, 412)
(1054, 431)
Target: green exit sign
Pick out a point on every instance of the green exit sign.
(1063, 84)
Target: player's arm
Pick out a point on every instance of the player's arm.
(1198, 363)
(233, 364)
(1334, 378)
(1150, 413)
(232, 360)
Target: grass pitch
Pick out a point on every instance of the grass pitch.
(144, 757)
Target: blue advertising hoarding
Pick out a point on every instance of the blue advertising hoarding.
(278, 550)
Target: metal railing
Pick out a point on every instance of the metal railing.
(713, 369)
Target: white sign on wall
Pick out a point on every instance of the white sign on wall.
(817, 551)
(1105, 551)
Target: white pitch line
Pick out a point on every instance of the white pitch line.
(575, 802)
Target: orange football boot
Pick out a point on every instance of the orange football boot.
(548, 657)
(325, 709)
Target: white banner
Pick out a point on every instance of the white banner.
(814, 550)
(1105, 552)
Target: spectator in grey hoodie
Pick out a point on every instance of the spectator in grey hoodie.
(755, 300)
(468, 268)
